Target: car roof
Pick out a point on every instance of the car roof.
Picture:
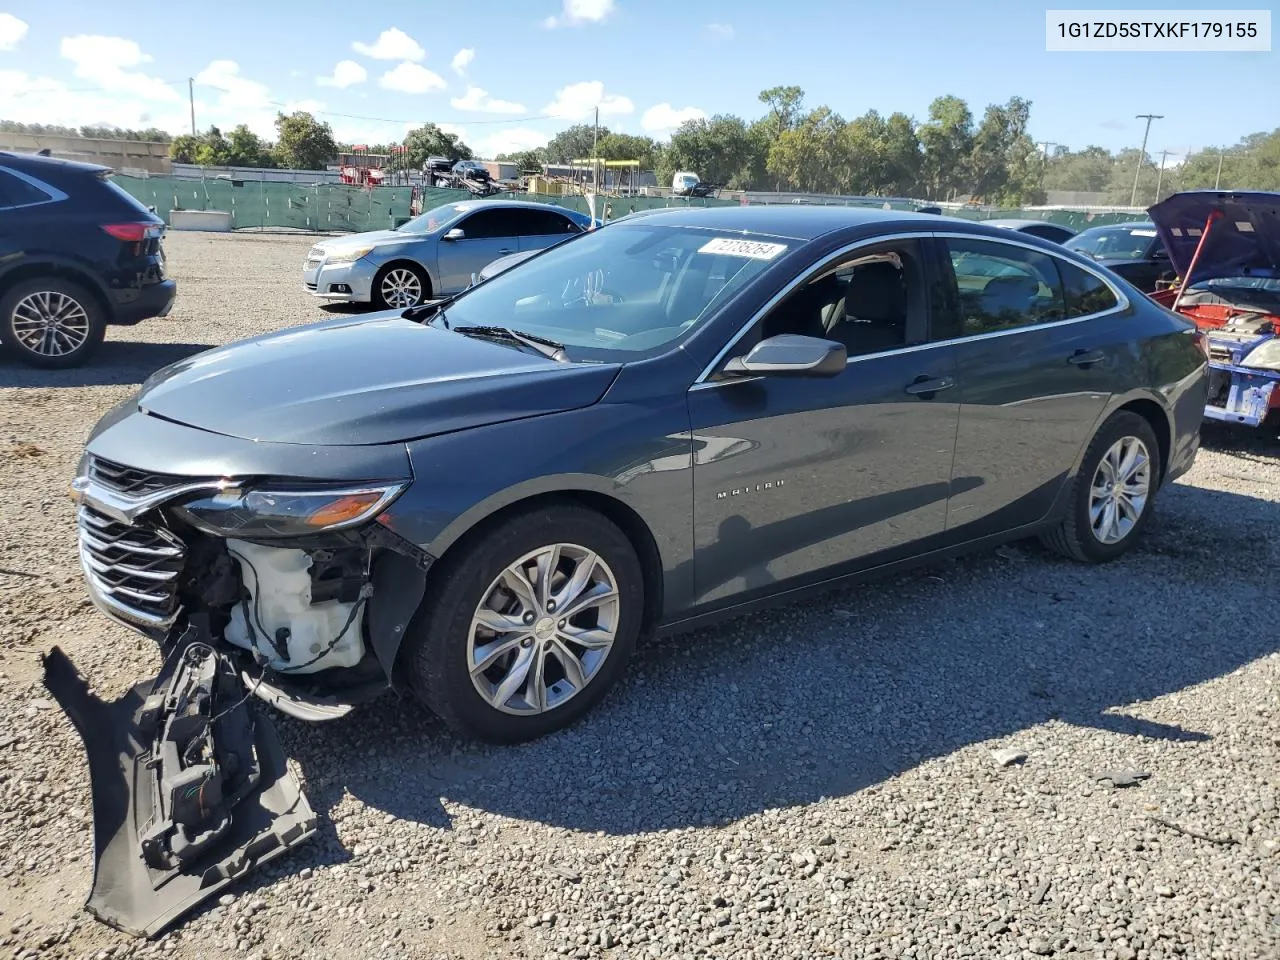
(33, 163)
(1013, 224)
(785, 220)
(1127, 225)
(469, 205)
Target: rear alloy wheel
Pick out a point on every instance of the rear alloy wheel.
(528, 626)
(1112, 494)
(50, 322)
(401, 286)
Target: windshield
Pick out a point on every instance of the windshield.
(1113, 243)
(618, 293)
(433, 219)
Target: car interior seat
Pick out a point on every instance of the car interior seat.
(874, 314)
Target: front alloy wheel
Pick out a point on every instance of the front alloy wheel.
(401, 287)
(526, 623)
(543, 630)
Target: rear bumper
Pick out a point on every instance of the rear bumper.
(142, 303)
(1241, 395)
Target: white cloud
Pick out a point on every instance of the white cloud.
(105, 62)
(234, 90)
(512, 140)
(12, 30)
(479, 101)
(577, 12)
(664, 118)
(462, 59)
(393, 44)
(720, 31)
(412, 78)
(33, 99)
(346, 73)
(578, 101)
(240, 99)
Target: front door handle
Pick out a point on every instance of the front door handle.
(503, 253)
(1085, 358)
(927, 386)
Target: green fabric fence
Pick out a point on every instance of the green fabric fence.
(323, 207)
(336, 207)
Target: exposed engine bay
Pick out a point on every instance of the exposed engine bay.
(190, 785)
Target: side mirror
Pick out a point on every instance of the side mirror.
(790, 355)
(455, 234)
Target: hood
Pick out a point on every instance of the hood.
(368, 380)
(1244, 240)
(371, 238)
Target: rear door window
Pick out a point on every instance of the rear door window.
(1003, 287)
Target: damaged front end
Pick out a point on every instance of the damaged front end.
(288, 594)
(1226, 249)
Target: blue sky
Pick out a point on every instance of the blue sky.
(508, 75)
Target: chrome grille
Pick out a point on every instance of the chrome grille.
(133, 569)
(129, 480)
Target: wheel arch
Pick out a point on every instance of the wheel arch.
(493, 512)
(404, 261)
(1160, 421)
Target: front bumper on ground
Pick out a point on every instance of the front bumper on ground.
(1243, 395)
(190, 787)
(349, 282)
(142, 303)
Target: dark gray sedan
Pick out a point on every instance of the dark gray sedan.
(485, 501)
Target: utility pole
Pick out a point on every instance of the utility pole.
(595, 161)
(1044, 157)
(1160, 178)
(1217, 181)
(1142, 154)
(191, 97)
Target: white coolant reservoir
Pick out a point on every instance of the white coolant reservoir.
(279, 585)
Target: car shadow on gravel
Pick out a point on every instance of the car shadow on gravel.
(833, 696)
(116, 363)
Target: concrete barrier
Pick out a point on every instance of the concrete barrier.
(210, 221)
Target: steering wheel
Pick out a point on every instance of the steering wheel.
(586, 290)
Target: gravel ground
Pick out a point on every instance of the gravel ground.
(914, 768)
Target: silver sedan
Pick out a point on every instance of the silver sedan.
(435, 254)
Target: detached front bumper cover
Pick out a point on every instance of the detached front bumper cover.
(190, 788)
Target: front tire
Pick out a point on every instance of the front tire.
(51, 322)
(399, 286)
(528, 626)
(1113, 494)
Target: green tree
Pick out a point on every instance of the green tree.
(808, 156)
(947, 138)
(1084, 171)
(624, 146)
(573, 143)
(304, 143)
(719, 150)
(246, 149)
(429, 140)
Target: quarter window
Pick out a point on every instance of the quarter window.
(16, 192)
(1003, 287)
(1085, 293)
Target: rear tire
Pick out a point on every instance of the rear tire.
(478, 610)
(400, 285)
(1113, 494)
(50, 322)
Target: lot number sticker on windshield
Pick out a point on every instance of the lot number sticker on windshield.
(751, 249)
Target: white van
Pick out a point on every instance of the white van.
(682, 183)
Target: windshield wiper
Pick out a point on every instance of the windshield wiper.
(429, 309)
(548, 348)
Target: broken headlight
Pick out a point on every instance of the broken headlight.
(270, 513)
(1265, 357)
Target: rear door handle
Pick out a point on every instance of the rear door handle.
(929, 385)
(503, 253)
(1084, 358)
